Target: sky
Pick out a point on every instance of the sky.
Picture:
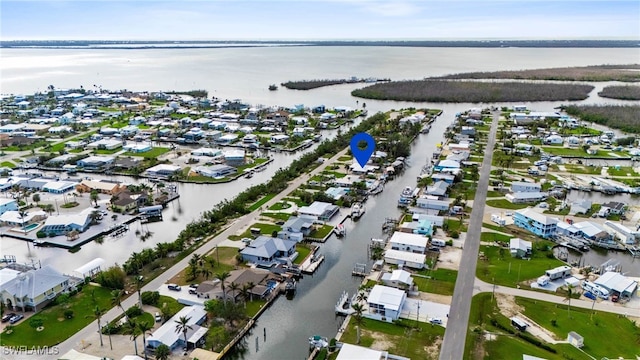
(317, 20)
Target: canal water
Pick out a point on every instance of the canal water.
(289, 323)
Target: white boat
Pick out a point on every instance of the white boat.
(318, 341)
(357, 210)
(407, 192)
(340, 230)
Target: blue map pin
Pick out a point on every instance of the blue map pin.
(362, 155)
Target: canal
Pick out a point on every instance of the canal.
(289, 323)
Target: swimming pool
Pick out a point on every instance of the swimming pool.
(27, 228)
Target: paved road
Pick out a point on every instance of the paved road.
(75, 342)
(608, 306)
(456, 333)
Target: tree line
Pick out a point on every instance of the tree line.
(624, 117)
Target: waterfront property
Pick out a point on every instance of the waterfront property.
(617, 284)
(385, 303)
(535, 222)
(215, 171)
(296, 228)
(408, 259)
(413, 243)
(101, 186)
(8, 205)
(33, 289)
(96, 163)
(523, 186)
(62, 224)
(162, 170)
(399, 279)
(319, 210)
(168, 335)
(268, 251)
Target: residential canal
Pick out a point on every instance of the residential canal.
(289, 323)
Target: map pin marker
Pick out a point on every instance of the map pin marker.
(362, 155)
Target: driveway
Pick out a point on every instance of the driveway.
(423, 310)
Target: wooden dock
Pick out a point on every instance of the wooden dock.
(359, 270)
(311, 264)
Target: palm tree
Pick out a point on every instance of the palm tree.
(138, 284)
(131, 328)
(163, 352)
(182, 325)
(97, 314)
(568, 299)
(94, 197)
(206, 272)
(250, 285)
(358, 319)
(144, 327)
(244, 292)
(222, 276)
(116, 300)
(234, 287)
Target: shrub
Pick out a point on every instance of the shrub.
(112, 278)
(454, 234)
(449, 242)
(41, 234)
(36, 322)
(133, 311)
(150, 297)
(68, 314)
(52, 234)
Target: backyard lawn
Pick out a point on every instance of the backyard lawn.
(280, 206)
(261, 202)
(8, 164)
(277, 216)
(265, 229)
(500, 268)
(442, 281)
(303, 252)
(154, 152)
(56, 327)
(400, 338)
(320, 232)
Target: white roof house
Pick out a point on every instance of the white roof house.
(616, 282)
(409, 259)
(167, 334)
(404, 240)
(387, 300)
(319, 209)
(399, 278)
(355, 352)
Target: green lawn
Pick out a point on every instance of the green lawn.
(303, 252)
(154, 152)
(345, 158)
(280, 206)
(581, 169)
(57, 147)
(506, 204)
(296, 200)
(491, 236)
(494, 226)
(255, 163)
(504, 345)
(8, 164)
(321, 232)
(455, 225)
(56, 327)
(254, 306)
(622, 171)
(173, 304)
(276, 216)
(492, 193)
(577, 152)
(597, 330)
(402, 337)
(261, 202)
(442, 281)
(265, 229)
(500, 268)
(107, 151)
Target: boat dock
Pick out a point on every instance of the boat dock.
(311, 263)
(635, 251)
(343, 306)
(359, 270)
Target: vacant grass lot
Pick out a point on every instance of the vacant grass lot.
(506, 204)
(265, 229)
(622, 171)
(261, 202)
(56, 327)
(399, 338)
(154, 152)
(280, 206)
(500, 268)
(598, 330)
(277, 216)
(442, 281)
(581, 169)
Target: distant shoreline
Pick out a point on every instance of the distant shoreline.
(122, 44)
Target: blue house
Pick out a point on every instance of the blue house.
(268, 251)
(535, 222)
(425, 227)
(61, 224)
(8, 205)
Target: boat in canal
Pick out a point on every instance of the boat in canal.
(357, 210)
(273, 87)
(340, 230)
(318, 341)
(290, 286)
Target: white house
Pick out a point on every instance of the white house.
(554, 139)
(408, 259)
(524, 186)
(385, 303)
(319, 210)
(526, 197)
(168, 336)
(400, 279)
(520, 248)
(162, 170)
(215, 171)
(279, 138)
(408, 242)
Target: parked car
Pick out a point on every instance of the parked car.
(615, 298)
(193, 286)
(590, 295)
(16, 318)
(8, 317)
(193, 291)
(158, 317)
(174, 287)
(435, 321)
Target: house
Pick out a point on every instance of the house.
(268, 251)
(582, 206)
(617, 283)
(535, 222)
(234, 157)
(399, 279)
(403, 258)
(592, 231)
(434, 219)
(526, 197)
(15, 218)
(105, 144)
(524, 186)
(614, 207)
(468, 130)
(298, 224)
(426, 203)
(96, 163)
(227, 139)
(137, 148)
(126, 201)
(62, 224)
(408, 242)
(7, 204)
(627, 235)
(279, 139)
(554, 140)
(129, 130)
(438, 188)
(319, 210)
(205, 151)
(567, 229)
(422, 227)
(336, 193)
(385, 303)
(162, 170)
(448, 178)
(447, 165)
(34, 289)
(168, 336)
(215, 171)
(59, 187)
(520, 248)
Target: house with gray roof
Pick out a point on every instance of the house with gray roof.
(439, 188)
(268, 251)
(296, 228)
(34, 289)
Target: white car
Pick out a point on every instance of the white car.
(435, 321)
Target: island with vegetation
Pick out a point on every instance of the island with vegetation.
(472, 91)
(624, 118)
(621, 92)
(314, 84)
(627, 73)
